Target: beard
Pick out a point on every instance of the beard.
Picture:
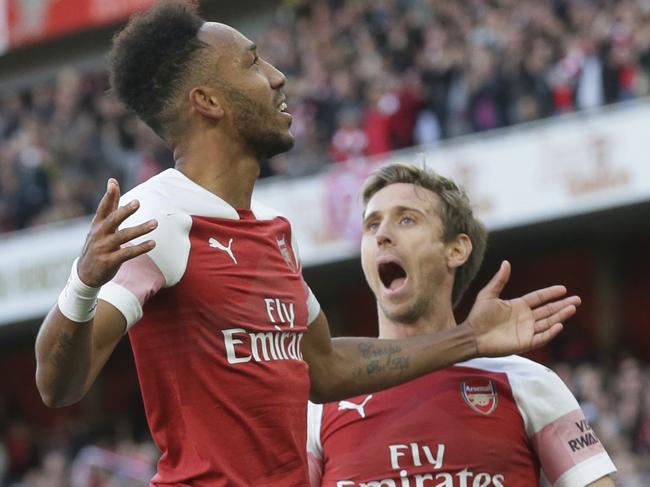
(407, 315)
(254, 124)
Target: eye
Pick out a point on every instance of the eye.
(372, 226)
(256, 61)
(406, 220)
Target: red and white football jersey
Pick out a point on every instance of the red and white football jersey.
(482, 423)
(216, 313)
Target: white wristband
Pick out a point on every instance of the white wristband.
(78, 301)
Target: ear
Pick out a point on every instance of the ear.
(458, 251)
(206, 102)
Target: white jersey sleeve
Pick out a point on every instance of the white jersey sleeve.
(569, 451)
(140, 278)
(314, 446)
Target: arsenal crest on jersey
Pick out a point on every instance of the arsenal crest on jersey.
(480, 394)
(284, 250)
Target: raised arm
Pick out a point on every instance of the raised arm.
(345, 367)
(79, 334)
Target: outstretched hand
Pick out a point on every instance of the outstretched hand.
(505, 327)
(105, 251)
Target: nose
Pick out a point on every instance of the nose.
(277, 79)
(383, 235)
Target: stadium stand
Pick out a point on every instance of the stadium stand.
(366, 78)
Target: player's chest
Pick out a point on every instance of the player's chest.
(439, 424)
(245, 273)
(233, 250)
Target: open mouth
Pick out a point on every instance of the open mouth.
(392, 275)
(283, 107)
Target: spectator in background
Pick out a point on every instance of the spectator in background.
(600, 390)
(349, 141)
(382, 105)
(415, 70)
(59, 141)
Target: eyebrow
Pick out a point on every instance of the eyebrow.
(394, 209)
(252, 47)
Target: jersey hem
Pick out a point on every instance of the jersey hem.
(587, 471)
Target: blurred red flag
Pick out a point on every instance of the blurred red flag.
(29, 21)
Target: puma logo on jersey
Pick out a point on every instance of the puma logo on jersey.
(359, 408)
(218, 245)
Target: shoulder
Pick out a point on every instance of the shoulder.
(264, 212)
(519, 370)
(171, 192)
(155, 197)
(159, 200)
(540, 394)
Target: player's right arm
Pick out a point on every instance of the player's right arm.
(70, 353)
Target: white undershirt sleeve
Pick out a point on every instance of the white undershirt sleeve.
(314, 446)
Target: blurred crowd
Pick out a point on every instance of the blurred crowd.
(617, 405)
(59, 142)
(368, 77)
(616, 402)
(365, 77)
(75, 453)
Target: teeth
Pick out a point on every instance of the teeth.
(283, 107)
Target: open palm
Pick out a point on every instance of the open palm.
(504, 327)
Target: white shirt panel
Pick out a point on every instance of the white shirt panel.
(314, 446)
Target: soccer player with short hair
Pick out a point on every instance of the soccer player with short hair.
(229, 342)
(485, 422)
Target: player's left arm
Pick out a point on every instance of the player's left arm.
(345, 367)
(605, 481)
(568, 449)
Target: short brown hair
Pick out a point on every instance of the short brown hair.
(456, 213)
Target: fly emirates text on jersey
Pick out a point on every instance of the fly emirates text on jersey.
(403, 456)
(282, 343)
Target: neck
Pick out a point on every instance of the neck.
(437, 318)
(219, 165)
